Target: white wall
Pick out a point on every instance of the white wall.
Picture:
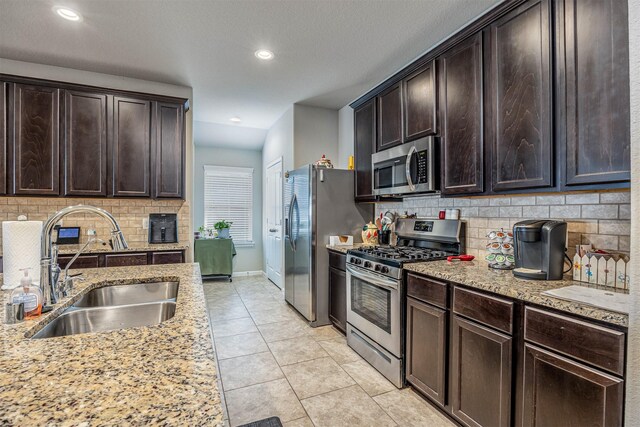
(247, 258)
(315, 132)
(633, 361)
(345, 136)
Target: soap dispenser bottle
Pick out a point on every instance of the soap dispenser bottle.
(28, 294)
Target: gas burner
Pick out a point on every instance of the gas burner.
(402, 253)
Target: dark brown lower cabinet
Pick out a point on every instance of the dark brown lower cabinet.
(173, 257)
(83, 261)
(121, 259)
(426, 349)
(481, 367)
(125, 259)
(559, 391)
(338, 298)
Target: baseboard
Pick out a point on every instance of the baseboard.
(248, 273)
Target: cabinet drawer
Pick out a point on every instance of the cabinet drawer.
(83, 261)
(589, 343)
(173, 257)
(489, 310)
(123, 260)
(337, 260)
(427, 290)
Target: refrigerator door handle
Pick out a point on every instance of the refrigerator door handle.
(292, 241)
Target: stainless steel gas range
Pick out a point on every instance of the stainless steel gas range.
(376, 291)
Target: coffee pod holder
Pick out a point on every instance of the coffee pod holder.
(500, 250)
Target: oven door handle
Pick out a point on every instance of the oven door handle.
(410, 154)
(365, 276)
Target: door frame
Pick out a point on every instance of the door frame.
(269, 165)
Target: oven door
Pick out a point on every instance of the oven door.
(373, 307)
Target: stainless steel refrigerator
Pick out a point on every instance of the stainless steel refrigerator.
(318, 203)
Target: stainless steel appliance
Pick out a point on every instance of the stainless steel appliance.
(163, 228)
(376, 291)
(540, 249)
(406, 169)
(318, 203)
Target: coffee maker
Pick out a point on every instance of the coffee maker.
(539, 249)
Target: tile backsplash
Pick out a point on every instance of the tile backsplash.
(602, 219)
(128, 212)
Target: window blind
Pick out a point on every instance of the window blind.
(228, 195)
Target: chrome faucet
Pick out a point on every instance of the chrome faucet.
(49, 268)
(66, 284)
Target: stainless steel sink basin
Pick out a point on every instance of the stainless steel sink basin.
(129, 294)
(100, 319)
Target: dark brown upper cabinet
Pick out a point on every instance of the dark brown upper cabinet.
(4, 99)
(34, 144)
(131, 147)
(519, 84)
(364, 147)
(420, 103)
(168, 164)
(461, 112)
(390, 118)
(593, 90)
(85, 144)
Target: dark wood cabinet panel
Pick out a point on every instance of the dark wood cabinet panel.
(426, 349)
(337, 260)
(558, 391)
(390, 118)
(521, 98)
(171, 257)
(486, 309)
(85, 144)
(420, 103)
(34, 146)
(481, 366)
(83, 261)
(364, 146)
(461, 112)
(4, 121)
(594, 39)
(427, 290)
(338, 298)
(168, 162)
(125, 259)
(131, 147)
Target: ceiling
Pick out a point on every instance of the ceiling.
(328, 52)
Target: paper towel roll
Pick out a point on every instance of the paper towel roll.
(20, 249)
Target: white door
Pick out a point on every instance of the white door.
(274, 222)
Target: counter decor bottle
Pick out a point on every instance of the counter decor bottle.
(28, 294)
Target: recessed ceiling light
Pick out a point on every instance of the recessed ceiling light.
(235, 119)
(264, 54)
(66, 13)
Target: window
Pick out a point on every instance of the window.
(228, 195)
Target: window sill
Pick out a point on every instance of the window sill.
(244, 244)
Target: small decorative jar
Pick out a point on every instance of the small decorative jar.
(370, 234)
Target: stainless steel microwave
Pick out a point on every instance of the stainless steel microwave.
(406, 169)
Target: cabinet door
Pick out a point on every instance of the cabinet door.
(173, 257)
(390, 118)
(420, 103)
(521, 91)
(85, 145)
(131, 153)
(4, 120)
(169, 150)
(461, 113)
(124, 260)
(480, 374)
(557, 390)
(364, 138)
(34, 149)
(83, 261)
(595, 40)
(426, 349)
(338, 298)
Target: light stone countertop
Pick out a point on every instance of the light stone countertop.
(162, 374)
(476, 274)
(344, 249)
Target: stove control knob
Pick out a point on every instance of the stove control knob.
(358, 261)
(367, 264)
(384, 269)
(352, 260)
(378, 266)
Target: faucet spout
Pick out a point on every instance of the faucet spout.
(49, 269)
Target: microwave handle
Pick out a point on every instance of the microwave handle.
(410, 154)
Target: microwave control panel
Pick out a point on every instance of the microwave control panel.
(422, 157)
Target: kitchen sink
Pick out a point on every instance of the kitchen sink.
(129, 294)
(100, 319)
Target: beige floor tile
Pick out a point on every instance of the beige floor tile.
(368, 378)
(300, 422)
(288, 352)
(226, 313)
(324, 333)
(339, 350)
(225, 328)
(256, 402)
(239, 345)
(279, 331)
(272, 315)
(316, 376)
(248, 370)
(408, 409)
(348, 407)
(261, 303)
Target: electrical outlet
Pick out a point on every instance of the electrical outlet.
(91, 232)
(145, 223)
